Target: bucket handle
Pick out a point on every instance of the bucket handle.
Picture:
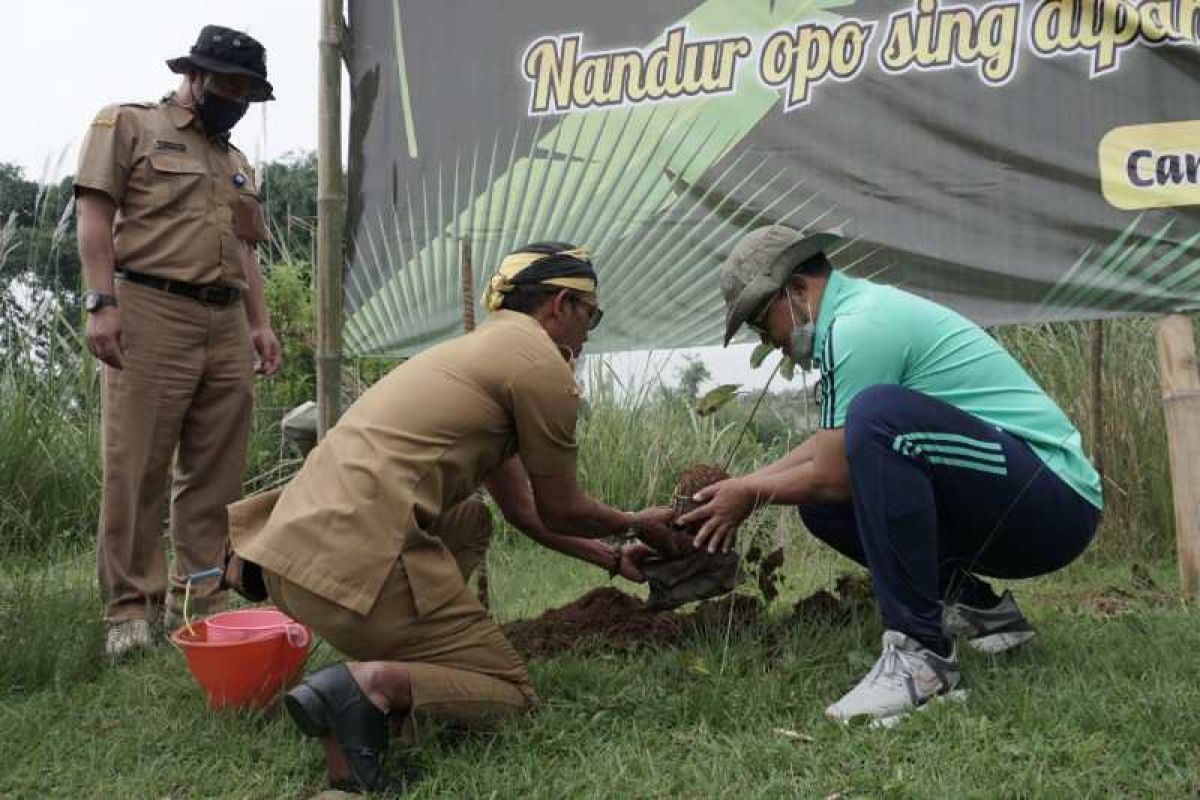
(214, 572)
(297, 635)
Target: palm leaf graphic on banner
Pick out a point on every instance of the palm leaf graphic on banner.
(654, 191)
(1134, 274)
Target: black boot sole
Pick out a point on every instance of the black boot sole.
(308, 711)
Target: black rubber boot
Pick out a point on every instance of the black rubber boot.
(330, 701)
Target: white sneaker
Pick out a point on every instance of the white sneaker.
(127, 637)
(906, 676)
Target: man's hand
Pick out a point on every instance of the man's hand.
(104, 336)
(631, 561)
(726, 504)
(654, 527)
(270, 356)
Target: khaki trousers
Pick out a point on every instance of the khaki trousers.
(186, 391)
(462, 668)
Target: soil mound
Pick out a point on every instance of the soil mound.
(604, 618)
(608, 619)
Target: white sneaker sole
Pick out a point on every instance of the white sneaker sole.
(887, 723)
(997, 643)
(956, 695)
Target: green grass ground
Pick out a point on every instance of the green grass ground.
(1102, 704)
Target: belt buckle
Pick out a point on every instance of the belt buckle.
(214, 295)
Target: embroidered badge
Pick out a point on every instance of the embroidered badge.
(239, 180)
(178, 147)
(105, 122)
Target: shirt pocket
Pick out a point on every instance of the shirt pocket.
(248, 222)
(179, 181)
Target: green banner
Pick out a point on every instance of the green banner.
(1016, 161)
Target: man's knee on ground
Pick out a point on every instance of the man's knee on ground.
(468, 699)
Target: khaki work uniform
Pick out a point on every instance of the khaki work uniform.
(188, 211)
(371, 543)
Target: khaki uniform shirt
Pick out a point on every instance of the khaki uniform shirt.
(184, 200)
(412, 447)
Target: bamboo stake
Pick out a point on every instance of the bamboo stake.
(468, 284)
(1180, 384)
(468, 314)
(331, 213)
(1098, 396)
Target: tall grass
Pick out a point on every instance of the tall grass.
(49, 436)
(50, 415)
(269, 459)
(50, 627)
(1138, 518)
(635, 439)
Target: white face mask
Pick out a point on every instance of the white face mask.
(803, 336)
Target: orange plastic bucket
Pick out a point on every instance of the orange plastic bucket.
(247, 673)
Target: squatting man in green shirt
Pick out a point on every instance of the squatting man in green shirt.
(938, 459)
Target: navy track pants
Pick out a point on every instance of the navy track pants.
(938, 497)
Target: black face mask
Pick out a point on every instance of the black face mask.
(219, 114)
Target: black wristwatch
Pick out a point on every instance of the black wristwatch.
(94, 301)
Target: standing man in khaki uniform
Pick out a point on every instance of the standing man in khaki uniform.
(372, 542)
(169, 217)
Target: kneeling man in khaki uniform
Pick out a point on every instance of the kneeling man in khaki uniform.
(373, 541)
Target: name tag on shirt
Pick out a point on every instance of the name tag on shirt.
(177, 147)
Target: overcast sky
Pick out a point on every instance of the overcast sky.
(68, 58)
(63, 60)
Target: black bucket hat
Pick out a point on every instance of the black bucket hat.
(228, 52)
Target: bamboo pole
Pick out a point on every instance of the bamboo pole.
(331, 214)
(468, 284)
(1098, 395)
(1180, 384)
(468, 314)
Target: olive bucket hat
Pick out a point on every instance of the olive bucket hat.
(759, 265)
(228, 52)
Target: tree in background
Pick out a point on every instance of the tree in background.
(17, 195)
(38, 238)
(289, 193)
(692, 375)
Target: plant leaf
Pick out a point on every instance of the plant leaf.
(787, 368)
(713, 400)
(760, 354)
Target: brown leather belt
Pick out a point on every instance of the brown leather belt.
(209, 294)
